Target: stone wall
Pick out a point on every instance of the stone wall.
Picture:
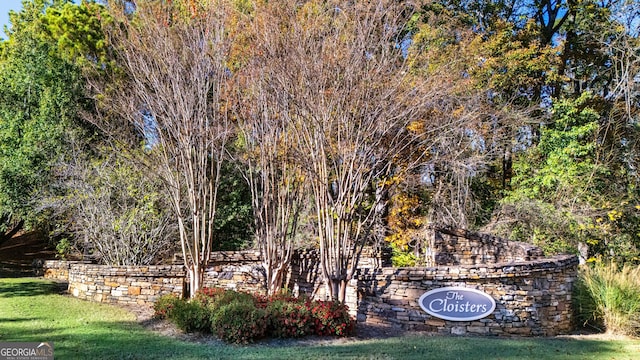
(56, 269)
(532, 293)
(461, 247)
(236, 270)
(125, 284)
(305, 276)
(243, 271)
(532, 297)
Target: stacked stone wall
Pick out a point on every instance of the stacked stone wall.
(532, 298)
(56, 269)
(532, 293)
(236, 270)
(461, 247)
(305, 276)
(125, 284)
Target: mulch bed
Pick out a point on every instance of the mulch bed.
(144, 315)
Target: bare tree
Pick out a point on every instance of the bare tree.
(267, 160)
(115, 212)
(172, 56)
(622, 45)
(336, 73)
(276, 182)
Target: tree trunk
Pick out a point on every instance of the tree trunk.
(8, 235)
(196, 276)
(333, 285)
(337, 288)
(343, 291)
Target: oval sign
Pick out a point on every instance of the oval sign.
(457, 303)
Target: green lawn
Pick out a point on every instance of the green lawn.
(30, 310)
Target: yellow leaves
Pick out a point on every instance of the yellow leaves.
(614, 215)
(594, 260)
(592, 242)
(399, 240)
(416, 127)
(405, 220)
(313, 14)
(393, 180)
(458, 112)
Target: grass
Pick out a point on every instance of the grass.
(32, 310)
(609, 296)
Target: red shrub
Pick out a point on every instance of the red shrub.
(331, 318)
(288, 319)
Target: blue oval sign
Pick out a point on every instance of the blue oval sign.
(457, 303)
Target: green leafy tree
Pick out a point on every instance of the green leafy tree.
(558, 183)
(40, 95)
(564, 196)
(76, 30)
(234, 221)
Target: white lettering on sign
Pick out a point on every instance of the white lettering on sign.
(457, 303)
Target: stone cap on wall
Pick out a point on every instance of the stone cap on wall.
(226, 257)
(61, 264)
(483, 271)
(130, 271)
(253, 256)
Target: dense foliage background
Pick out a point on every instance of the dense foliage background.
(527, 125)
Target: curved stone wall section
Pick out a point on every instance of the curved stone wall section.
(56, 269)
(532, 293)
(462, 247)
(532, 298)
(125, 284)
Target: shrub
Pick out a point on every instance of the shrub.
(239, 322)
(164, 306)
(263, 301)
(608, 296)
(190, 316)
(331, 318)
(207, 296)
(239, 317)
(218, 297)
(288, 318)
(401, 258)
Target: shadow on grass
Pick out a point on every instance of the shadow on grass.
(103, 337)
(127, 340)
(109, 340)
(14, 320)
(22, 287)
(12, 272)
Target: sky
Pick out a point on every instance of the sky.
(5, 6)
